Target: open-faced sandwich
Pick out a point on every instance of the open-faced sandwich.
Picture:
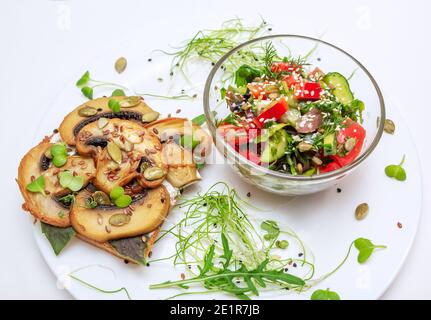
(110, 175)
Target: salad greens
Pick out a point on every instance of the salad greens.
(37, 185)
(325, 295)
(290, 117)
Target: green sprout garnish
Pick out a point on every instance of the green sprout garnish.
(120, 199)
(59, 154)
(38, 185)
(114, 105)
(118, 93)
(397, 171)
(71, 182)
(365, 248)
(325, 295)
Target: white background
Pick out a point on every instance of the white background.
(46, 45)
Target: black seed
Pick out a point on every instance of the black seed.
(285, 269)
(318, 59)
(269, 29)
(294, 265)
(149, 59)
(126, 261)
(339, 190)
(212, 63)
(172, 73)
(55, 131)
(248, 194)
(148, 264)
(300, 254)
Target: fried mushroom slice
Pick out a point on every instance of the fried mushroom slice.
(47, 208)
(135, 249)
(181, 161)
(93, 110)
(182, 169)
(104, 223)
(134, 141)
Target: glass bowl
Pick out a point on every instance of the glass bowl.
(328, 58)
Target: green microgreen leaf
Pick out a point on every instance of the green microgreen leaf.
(116, 192)
(83, 80)
(282, 244)
(271, 228)
(67, 199)
(38, 185)
(114, 105)
(365, 248)
(199, 120)
(87, 92)
(189, 142)
(57, 237)
(396, 171)
(118, 93)
(68, 180)
(123, 201)
(325, 295)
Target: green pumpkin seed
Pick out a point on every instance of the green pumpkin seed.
(102, 122)
(119, 219)
(362, 211)
(350, 144)
(101, 198)
(130, 102)
(389, 126)
(114, 152)
(120, 64)
(150, 116)
(144, 166)
(87, 111)
(304, 146)
(153, 173)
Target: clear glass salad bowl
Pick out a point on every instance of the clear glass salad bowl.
(318, 53)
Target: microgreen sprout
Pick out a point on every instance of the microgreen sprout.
(37, 185)
(397, 171)
(87, 84)
(68, 180)
(325, 295)
(365, 248)
(120, 199)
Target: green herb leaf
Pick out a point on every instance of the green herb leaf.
(68, 180)
(246, 74)
(83, 80)
(114, 105)
(223, 93)
(208, 261)
(271, 228)
(87, 92)
(283, 244)
(324, 295)
(227, 252)
(116, 192)
(38, 185)
(365, 248)
(199, 120)
(396, 171)
(67, 199)
(57, 237)
(123, 201)
(118, 93)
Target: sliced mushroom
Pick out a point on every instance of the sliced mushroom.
(182, 169)
(46, 207)
(133, 140)
(146, 213)
(93, 110)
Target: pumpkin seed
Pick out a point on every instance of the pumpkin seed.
(150, 116)
(119, 219)
(304, 146)
(48, 153)
(114, 152)
(101, 198)
(349, 144)
(102, 122)
(144, 166)
(153, 173)
(87, 111)
(120, 64)
(130, 102)
(127, 146)
(389, 126)
(273, 95)
(361, 211)
(316, 161)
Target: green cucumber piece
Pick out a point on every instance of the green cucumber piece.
(291, 99)
(339, 87)
(275, 147)
(329, 145)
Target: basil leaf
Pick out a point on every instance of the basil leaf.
(57, 237)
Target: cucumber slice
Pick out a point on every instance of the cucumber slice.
(340, 87)
(275, 147)
(329, 145)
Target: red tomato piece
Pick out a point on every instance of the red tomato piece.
(308, 91)
(352, 130)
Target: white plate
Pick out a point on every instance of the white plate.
(324, 221)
